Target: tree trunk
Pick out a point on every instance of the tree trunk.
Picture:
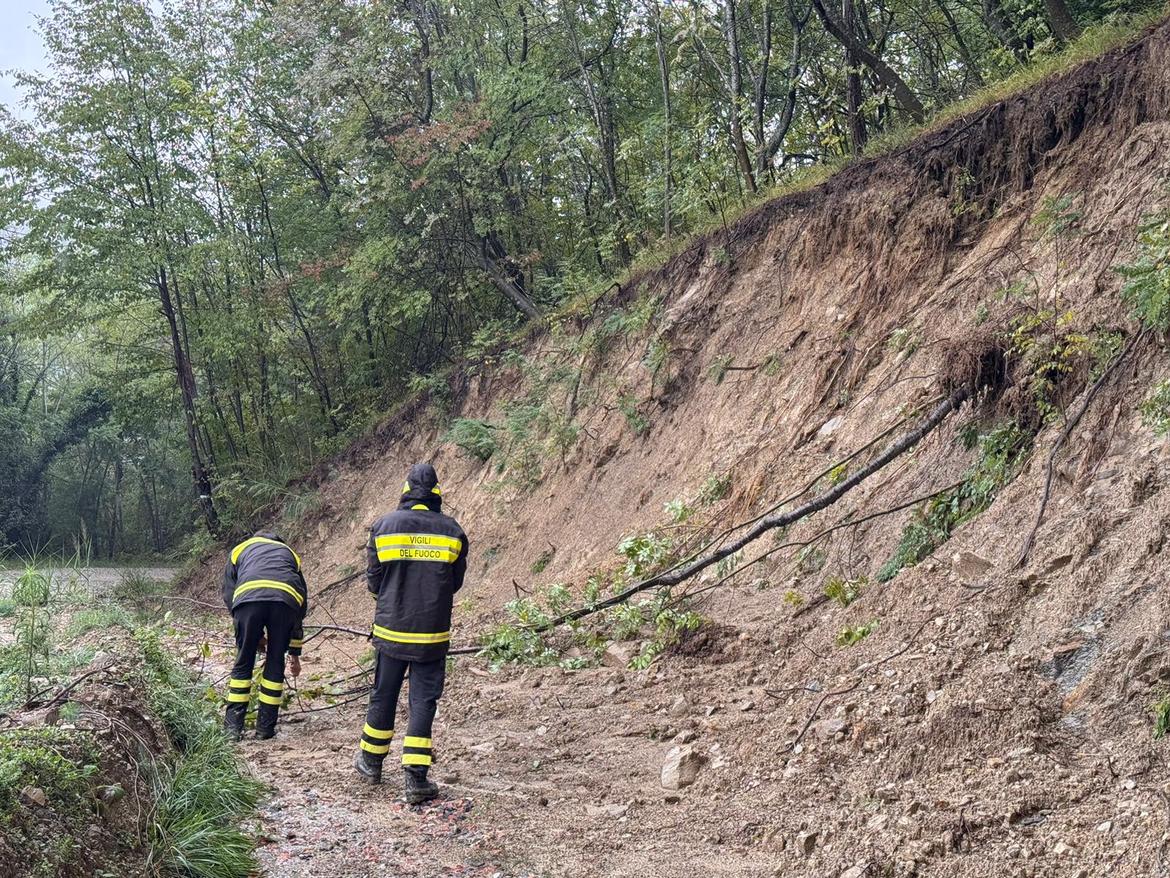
(664, 73)
(853, 96)
(885, 74)
(735, 84)
(201, 477)
(1060, 19)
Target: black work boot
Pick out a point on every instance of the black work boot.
(233, 721)
(369, 769)
(418, 788)
(266, 722)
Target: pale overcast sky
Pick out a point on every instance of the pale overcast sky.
(20, 46)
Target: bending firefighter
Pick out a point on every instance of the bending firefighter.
(416, 561)
(266, 592)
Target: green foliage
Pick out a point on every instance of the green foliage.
(635, 417)
(473, 436)
(542, 561)
(137, 589)
(793, 598)
(1001, 453)
(31, 589)
(678, 510)
(99, 617)
(1155, 409)
(1057, 217)
(845, 590)
(718, 368)
(1147, 278)
(853, 634)
(905, 340)
(838, 474)
(1050, 350)
(713, 490)
(1161, 711)
(726, 566)
(644, 554)
(200, 797)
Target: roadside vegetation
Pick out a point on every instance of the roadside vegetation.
(68, 766)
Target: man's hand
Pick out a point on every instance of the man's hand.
(294, 665)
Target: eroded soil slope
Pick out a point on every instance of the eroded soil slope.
(994, 721)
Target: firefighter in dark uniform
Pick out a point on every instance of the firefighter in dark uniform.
(416, 561)
(266, 592)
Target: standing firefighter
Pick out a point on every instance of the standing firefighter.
(416, 561)
(266, 592)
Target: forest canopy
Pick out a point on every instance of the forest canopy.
(234, 232)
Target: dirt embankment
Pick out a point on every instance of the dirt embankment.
(990, 720)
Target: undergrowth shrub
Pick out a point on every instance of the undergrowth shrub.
(854, 634)
(1155, 409)
(202, 795)
(845, 590)
(473, 436)
(1147, 279)
(1001, 452)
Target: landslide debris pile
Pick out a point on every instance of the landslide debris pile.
(884, 688)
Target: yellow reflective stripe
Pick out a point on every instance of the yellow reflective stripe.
(296, 644)
(380, 734)
(414, 541)
(405, 487)
(421, 506)
(239, 550)
(435, 490)
(239, 697)
(416, 759)
(381, 749)
(277, 686)
(247, 684)
(269, 699)
(268, 583)
(411, 636)
(442, 556)
(410, 741)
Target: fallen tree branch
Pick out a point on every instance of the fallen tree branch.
(815, 538)
(771, 522)
(1050, 465)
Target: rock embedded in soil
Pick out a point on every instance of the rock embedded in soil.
(681, 767)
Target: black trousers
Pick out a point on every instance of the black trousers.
(425, 688)
(254, 620)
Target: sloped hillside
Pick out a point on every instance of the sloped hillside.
(894, 696)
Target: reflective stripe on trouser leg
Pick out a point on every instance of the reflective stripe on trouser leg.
(416, 751)
(376, 742)
(238, 691)
(271, 693)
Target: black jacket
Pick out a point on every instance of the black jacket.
(416, 560)
(264, 568)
